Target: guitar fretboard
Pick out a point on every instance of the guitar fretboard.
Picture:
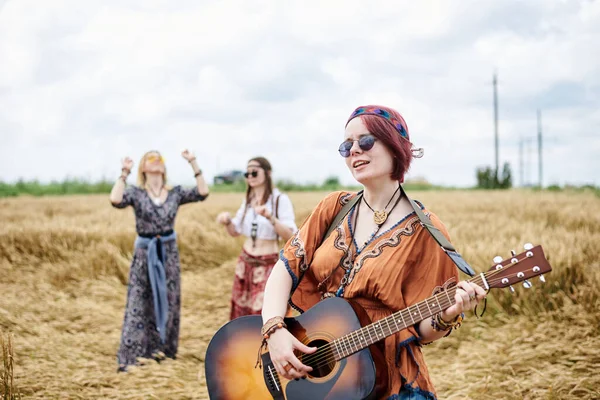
(367, 335)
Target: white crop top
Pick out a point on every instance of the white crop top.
(265, 230)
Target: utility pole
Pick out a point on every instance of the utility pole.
(521, 172)
(540, 169)
(529, 158)
(496, 122)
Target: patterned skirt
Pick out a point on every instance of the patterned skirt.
(251, 274)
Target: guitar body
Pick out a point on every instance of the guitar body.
(232, 354)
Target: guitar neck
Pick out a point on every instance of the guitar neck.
(379, 330)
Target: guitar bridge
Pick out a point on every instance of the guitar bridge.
(271, 377)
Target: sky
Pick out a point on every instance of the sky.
(85, 83)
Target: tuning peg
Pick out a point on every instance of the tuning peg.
(513, 253)
(512, 289)
(542, 279)
(528, 246)
(527, 284)
(497, 260)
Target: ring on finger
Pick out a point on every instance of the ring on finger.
(472, 297)
(287, 367)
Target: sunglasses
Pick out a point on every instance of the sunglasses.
(253, 174)
(152, 158)
(365, 143)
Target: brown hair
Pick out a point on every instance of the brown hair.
(266, 166)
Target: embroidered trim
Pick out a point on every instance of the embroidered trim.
(388, 230)
(406, 344)
(340, 244)
(412, 391)
(300, 252)
(344, 199)
(392, 241)
(295, 281)
(447, 285)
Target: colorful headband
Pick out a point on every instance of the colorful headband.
(400, 126)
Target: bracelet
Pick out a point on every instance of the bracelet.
(438, 323)
(197, 174)
(123, 178)
(273, 220)
(271, 326)
(192, 160)
(127, 171)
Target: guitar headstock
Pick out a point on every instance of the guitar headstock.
(518, 268)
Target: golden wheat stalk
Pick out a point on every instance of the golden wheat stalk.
(7, 373)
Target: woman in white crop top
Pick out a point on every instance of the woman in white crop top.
(264, 216)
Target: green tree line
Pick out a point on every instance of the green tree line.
(80, 186)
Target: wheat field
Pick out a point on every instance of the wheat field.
(64, 265)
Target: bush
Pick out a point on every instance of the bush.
(487, 178)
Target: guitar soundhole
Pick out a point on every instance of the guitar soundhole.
(322, 361)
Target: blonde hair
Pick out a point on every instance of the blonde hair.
(141, 175)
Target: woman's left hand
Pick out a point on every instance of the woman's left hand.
(262, 210)
(188, 155)
(468, 295)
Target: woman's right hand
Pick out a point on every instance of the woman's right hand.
(224, 218)
(281, 349)
(127, 163)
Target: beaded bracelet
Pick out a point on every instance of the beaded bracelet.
(271, 326)
(438, 323)
(197, 174)
(128, 171)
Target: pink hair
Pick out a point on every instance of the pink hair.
(385, 131)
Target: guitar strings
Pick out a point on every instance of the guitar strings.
(324, 354)
(326, 351)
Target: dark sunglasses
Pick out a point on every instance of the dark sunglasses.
(365, 143)
(253, 174)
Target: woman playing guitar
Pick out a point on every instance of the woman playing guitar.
(379, 256)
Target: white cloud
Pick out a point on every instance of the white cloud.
(91, 82)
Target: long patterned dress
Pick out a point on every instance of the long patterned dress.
(139, 336)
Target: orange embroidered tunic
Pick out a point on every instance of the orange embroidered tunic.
(396, 269)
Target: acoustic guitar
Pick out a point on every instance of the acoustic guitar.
(349, 362)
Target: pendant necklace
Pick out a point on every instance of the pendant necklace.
(254, 229)
(153, 196)
(380, 221)
(379, 217)
(379, 225)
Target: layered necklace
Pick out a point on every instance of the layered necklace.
(254, 229)
(153, 196)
